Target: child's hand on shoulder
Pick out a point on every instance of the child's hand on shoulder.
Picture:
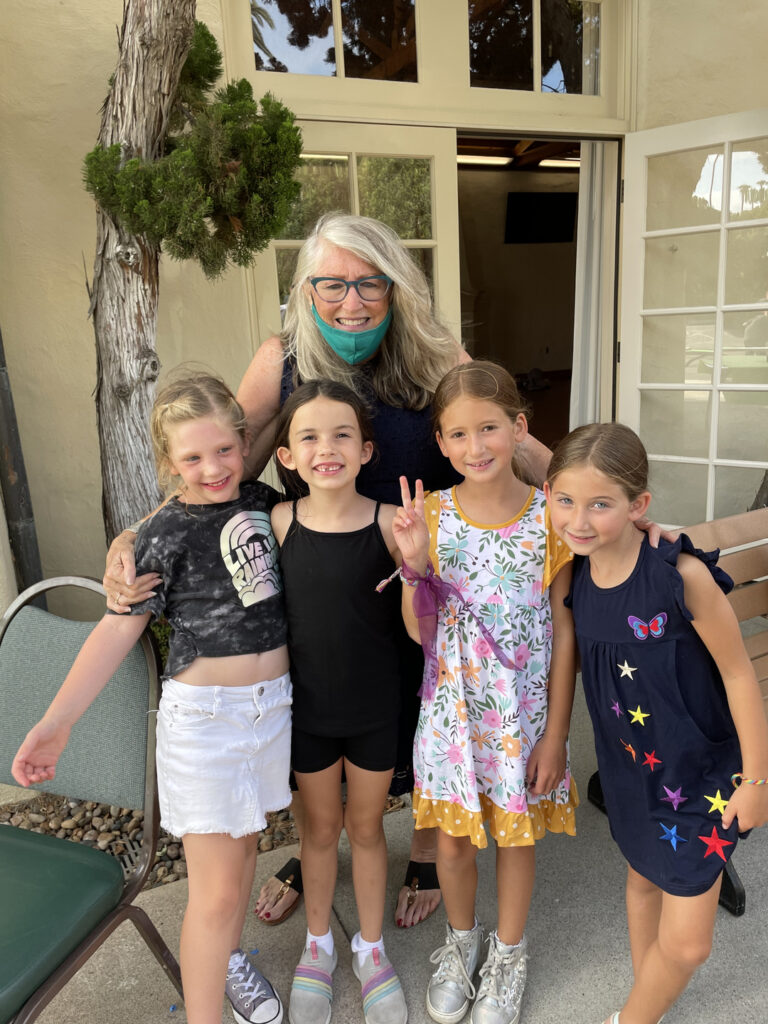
(409, 527)
(749, 804)
(546, 765)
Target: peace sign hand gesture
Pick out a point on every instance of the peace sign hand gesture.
(409, 527)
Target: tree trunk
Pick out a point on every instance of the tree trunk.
(153, 44)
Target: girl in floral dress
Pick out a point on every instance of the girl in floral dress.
(491, 744)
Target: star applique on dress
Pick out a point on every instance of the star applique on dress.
(616, 708)
(674, 797)
(651, 760)
(670, 834)
(629, 748)
(638, 715)
(627, 670)
(715, 844)
(717, 803)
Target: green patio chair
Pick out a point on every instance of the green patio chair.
(60, 900)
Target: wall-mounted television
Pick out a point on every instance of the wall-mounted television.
(535, 218)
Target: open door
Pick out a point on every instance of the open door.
(694, 320)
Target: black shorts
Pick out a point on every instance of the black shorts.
(374, 751)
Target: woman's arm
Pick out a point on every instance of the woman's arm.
(715, 622)
(99, 658)
(259, 395)
(546, 765)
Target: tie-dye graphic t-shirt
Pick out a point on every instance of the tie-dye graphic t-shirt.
(221, 588)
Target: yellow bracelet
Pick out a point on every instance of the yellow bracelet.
(749, 782)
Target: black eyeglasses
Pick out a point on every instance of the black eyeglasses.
(335, 289)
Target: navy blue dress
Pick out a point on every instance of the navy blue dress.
(666, 743)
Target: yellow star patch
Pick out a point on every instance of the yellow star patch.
(638, 715)
(717, 802)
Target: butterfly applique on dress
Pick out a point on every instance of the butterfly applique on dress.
(643, 630)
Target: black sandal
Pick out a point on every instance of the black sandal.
(290, 875)
(420, 876)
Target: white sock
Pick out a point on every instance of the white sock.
(361, 948)
(504, 947)
(325, 942)
(234, 959)
(463, 933)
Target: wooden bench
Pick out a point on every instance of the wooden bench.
(743, 543)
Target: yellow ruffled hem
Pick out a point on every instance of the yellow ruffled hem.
(507, 828)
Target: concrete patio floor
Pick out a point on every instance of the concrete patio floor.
(579, 966)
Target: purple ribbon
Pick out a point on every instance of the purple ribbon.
(431, 594)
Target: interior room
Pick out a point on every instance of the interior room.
(517, 219)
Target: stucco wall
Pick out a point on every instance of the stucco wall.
(57, 58)
(700, 59)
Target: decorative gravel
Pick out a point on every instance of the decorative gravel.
(119, 830)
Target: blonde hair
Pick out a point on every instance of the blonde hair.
(189, 397)
(417, 350)
(612, 448)
(479, 379)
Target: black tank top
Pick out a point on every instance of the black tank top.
(341, 632)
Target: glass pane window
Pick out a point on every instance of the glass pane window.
(397, 191)
(685, 189)
(735, 489)
(749, 180)
(379, 39)
(570, 47)
(742, 425)
(679, 492)
(286, 268)
(325, 186)
(675, 422)
(501, 44)
(746, 265)
(425, 261)
(681, 270)
(293, 35)
(678, 349)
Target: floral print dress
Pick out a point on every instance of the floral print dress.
(480, 720)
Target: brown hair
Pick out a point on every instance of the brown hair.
(190, 397)
(480, 379)
(303, 394)
(612, 448)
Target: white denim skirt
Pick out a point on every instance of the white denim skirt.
(223, 756)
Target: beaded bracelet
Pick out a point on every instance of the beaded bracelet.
(749, 782)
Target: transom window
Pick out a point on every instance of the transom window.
(343, 38)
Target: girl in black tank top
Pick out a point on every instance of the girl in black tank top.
(335, 547)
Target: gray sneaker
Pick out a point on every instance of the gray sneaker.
(502, 984)
(450, 989)
(253, 999)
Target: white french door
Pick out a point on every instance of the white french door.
(694, 312)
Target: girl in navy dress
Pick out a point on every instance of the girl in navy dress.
(681, 737)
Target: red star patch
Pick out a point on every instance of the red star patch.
(715, 844)
(651, 760)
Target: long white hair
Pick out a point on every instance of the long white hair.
(417, 350)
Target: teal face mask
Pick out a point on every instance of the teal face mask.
(353, 346)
